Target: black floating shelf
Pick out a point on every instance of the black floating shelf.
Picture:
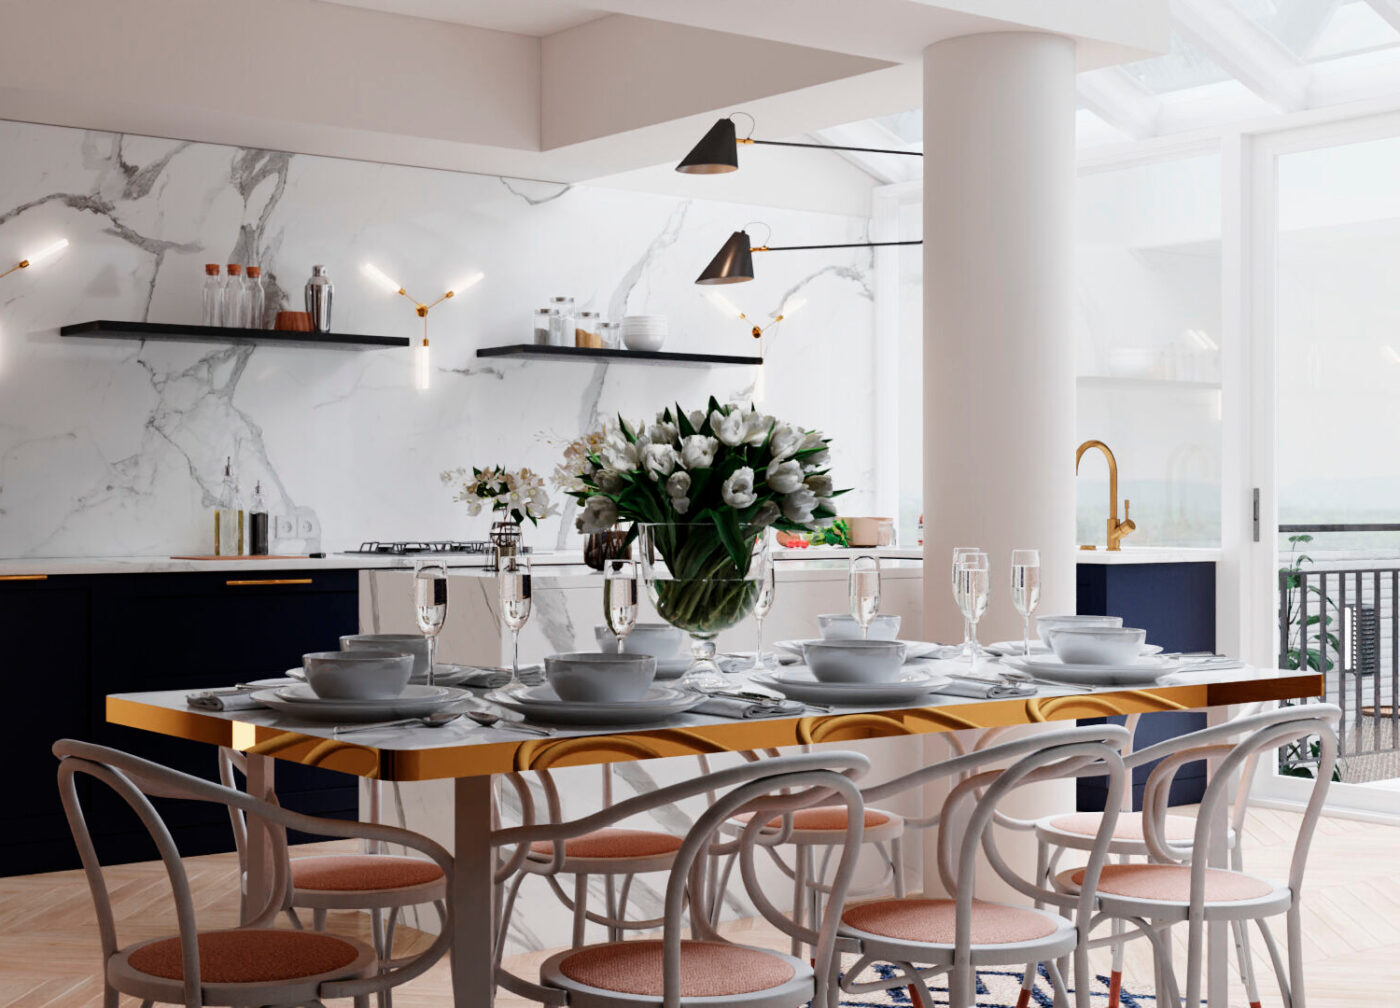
(104, 329)
(534, 351)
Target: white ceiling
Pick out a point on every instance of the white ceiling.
(523, 17)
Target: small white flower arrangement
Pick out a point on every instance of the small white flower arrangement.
(520, 494)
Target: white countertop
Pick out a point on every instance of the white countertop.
(1148, 555)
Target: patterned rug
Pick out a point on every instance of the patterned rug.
(996, 988)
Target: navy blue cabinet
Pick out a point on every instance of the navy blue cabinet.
(1175, 604)
(125, 633)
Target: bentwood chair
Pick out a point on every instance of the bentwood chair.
(254, 963)
(373, 881)
(957, 934)
(705, 968)
(1176, 887)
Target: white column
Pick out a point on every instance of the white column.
(998, 359)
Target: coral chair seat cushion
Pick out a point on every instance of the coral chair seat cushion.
(823, 817)
(255, 955)
(1180, 829)
(932, 921)
(361, 872)
(614, 843)
(708, 969)
(1172, 883)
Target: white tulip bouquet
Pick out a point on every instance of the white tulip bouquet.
(707, 483)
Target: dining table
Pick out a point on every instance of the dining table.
(470, 754)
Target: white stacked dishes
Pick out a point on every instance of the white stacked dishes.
(1044, 624)
(913, 650)
(909, 686)
(843, 626)
(301, 702)
(645, 332)
(413, 644)
(585, 677)
(1097, 645)
(357, 675)
(854, 661)
(662, 641)
(1140, 671)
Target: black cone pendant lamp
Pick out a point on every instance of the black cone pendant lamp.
(732, 264)
(716, 153)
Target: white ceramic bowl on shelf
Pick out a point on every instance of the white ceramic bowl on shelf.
(357, 675)
(587, 677)
(1044, 624)
(645, 332)
(843, 626)
(1083, 645)
(854, 661)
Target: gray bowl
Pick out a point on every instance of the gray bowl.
(1097, 645)
(843, 626)
(589, 677)
(357, 675)
(1044, 624)
(660, 640)
(854, 661)
(414, 644)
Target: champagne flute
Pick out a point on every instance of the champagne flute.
(515, 606)
(620, 599)
(430, 605)
(1025, 590)
(865, 591)
(974, 591)
(763, 602)
(958, 553)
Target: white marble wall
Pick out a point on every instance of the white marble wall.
(113, 447)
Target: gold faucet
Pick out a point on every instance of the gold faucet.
(1116, 529)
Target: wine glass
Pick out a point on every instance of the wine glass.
(763, 602)
(515, 605)
(865, 591)
(620, 599)
(974, 591)
(958, 553)
(430, 605)
(1025, 590)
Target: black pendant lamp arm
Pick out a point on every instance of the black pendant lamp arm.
(817, 146)
(801, 248)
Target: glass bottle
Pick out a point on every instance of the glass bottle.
(213, 295)
(257, 298)
(257, 518)
(561, 323)
(228, 516)
(235, 298)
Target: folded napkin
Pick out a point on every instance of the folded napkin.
(230, 699)
(985, 689)
(732, 707)
(486, 677)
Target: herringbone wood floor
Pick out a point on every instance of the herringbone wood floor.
(48, 942)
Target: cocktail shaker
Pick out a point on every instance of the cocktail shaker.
(319, 294)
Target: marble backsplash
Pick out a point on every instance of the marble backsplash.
(116, 447)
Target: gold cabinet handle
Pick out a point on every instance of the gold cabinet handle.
(24, 577)
(268, 581)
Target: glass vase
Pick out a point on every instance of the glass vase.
(703, 577)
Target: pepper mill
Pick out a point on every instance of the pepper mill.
(319, 293)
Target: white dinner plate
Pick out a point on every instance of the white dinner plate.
(444, 674)
(913, 650)
(541, 703)
(352, 710)
(797, 683)
(1013, 647)
(1147, 669)
(303, 693)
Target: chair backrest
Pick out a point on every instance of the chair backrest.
(983, 778)
(763, 790)
(137, 780)
(1236, 746)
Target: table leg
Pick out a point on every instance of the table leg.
(259, 881)
(473, 943)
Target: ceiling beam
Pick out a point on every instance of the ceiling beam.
(1245, 50)
(1389, 10)
(1120, 100)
